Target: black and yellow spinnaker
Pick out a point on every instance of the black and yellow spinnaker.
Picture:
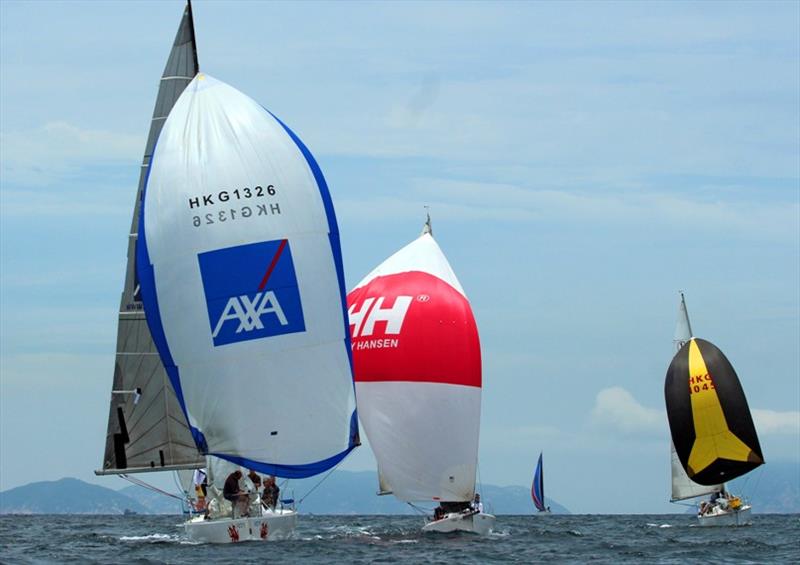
(710, 422)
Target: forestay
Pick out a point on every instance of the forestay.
(242, 281)
(417, 365)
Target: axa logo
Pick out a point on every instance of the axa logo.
(248, 313)
(251, 292)
(372, 311)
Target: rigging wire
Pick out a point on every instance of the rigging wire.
(176, 479)
(758, 481)
(186, 498)
(322, 480)
(480, 483)
(141, 483)
(420, 510)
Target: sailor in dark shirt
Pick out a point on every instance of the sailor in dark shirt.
(231, 492)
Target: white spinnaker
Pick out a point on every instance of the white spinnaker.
(682, 486)
(424, 434)
(298, 385)
(423, 254)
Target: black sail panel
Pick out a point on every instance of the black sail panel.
(146, 426)
(709, 418)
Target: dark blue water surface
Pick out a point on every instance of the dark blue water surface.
(773, 538)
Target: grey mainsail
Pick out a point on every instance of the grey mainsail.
(147, 430)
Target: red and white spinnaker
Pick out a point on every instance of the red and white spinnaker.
(417, 366)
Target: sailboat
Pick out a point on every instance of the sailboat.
(417, 360)
(241, 284)
(713, 436)
(537, 487)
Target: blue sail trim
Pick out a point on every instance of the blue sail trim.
(336, 249)
(287, 471)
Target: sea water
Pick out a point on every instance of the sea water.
(773, 538)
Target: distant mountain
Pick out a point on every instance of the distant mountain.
(348, 492)
(773, 488)
(154, 502)
(516, 500)
(343, 492)
(66, 496)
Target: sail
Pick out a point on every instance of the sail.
(537, 487)
(683, 329)
(242, 281)
(417, 364)
(682, 486)
(710, 422)
(146, 427)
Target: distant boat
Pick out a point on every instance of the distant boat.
(417, 363)
(239, 275)
(537, 487)
(713, 436)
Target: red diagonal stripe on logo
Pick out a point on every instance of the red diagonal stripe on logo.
(272, 265)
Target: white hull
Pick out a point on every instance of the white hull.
(270, 526)
(479, 523)
(729, 517)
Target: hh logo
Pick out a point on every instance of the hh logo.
(251, 292)
(365, 318)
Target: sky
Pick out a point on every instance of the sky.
(583, 163)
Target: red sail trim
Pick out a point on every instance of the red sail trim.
(435, 339)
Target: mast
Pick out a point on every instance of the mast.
(427, 228)
(147, 430)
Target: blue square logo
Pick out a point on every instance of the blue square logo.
(251, 292)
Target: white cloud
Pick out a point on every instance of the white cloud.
(33, 203)
(617, 408)
(771, 422)
(582, 202)
(47, 152)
